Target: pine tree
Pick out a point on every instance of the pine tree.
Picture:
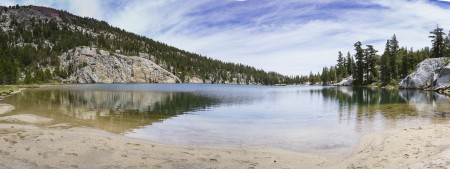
(393, 48)
(344, 69)
(27, 79)
(312, 78)
(385, 65)
(371, 64)
(47, 75)
(340, 67)
(437, 46)
(407, 61)
(325, 76)
(359, 56)
(447, 45)
(349, 64)
(39, 76)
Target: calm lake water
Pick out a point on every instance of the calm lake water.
(308, 119)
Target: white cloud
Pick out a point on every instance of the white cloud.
(291, 37)
(91, 8)
(293, 48)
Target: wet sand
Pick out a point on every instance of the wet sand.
(30, 141)
(5, 108)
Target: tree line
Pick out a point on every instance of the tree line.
(367, 67)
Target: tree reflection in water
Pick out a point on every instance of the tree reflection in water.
(367, 103)
(113, 111)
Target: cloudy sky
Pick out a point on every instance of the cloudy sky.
(288, 36)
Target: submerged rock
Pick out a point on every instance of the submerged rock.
(429, 74)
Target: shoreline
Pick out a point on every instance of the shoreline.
(64, 146)
(30, 141)
(8, 90)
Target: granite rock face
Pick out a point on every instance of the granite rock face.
(91, 65)
(433, 73)
(443, 80)
(345, 82)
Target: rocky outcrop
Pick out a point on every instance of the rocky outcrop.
(91, 65)
(345, 82)
(433, 73)
(194, 79)
(443, 80)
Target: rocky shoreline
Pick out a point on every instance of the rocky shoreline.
(430, 74)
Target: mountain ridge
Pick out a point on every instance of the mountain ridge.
(33, 39)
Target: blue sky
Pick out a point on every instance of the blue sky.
(288, 36)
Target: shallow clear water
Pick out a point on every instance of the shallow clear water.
(298, 118)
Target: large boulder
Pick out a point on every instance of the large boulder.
(443, 80)
(345, 82)
(427, 73)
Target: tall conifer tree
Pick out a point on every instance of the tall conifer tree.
(359, 56)
(385, 65)
(371, 63)
(437, 42)
(349, 64)
(393, 55)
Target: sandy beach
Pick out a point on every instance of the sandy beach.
(30, 141)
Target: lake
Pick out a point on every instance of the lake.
(307, 119)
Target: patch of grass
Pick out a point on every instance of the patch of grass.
(8, 88)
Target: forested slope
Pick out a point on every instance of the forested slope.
(32, 39)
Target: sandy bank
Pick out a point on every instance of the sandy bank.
(26, 146)
(26, 118)
(64, 146)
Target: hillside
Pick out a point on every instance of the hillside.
(37, 44)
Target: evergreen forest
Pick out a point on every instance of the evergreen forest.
(367, 67)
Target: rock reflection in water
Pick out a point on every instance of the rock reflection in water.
(114, 111)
